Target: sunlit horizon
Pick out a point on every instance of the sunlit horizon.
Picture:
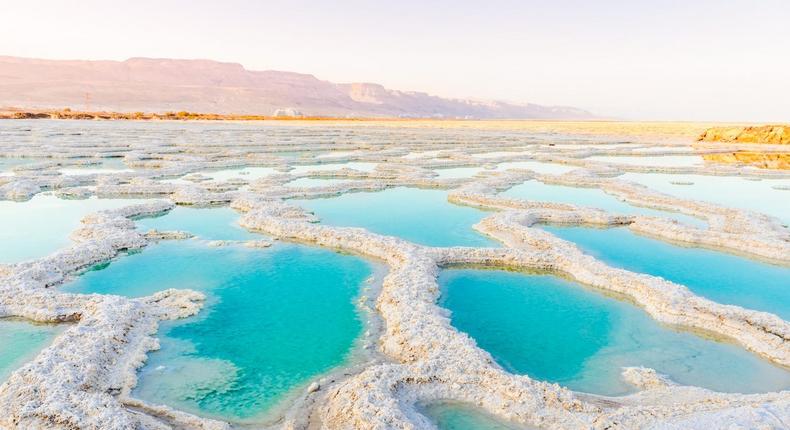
(661, 61)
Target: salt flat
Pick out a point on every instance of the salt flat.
(207, 214)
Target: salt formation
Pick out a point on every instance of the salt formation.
(84, 379)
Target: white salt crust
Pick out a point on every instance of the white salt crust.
(84, 378)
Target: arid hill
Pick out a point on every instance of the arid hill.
(160, 85)
(770, 134)
(767, 134)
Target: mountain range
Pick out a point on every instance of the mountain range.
(160, 85)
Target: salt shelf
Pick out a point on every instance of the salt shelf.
(413, 356)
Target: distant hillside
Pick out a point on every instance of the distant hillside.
(159, 85)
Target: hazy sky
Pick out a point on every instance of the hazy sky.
(665, 59)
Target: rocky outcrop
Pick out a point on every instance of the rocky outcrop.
(769, 134)
(763, 135)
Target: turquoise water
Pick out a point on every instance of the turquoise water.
(314, 182)
(451, 416)
(42, 225)
(205, 223)
(554, 330)
(721, 277)
(274, 320)
(728, 191)
(20, 341)
(420, 216)
(591, 197)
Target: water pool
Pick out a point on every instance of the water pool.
(591, 197)
(42, 225)
(721, 277)
(274, 320)
(731, 191)
(206, 223)
(418, 215)
(452, 416)
(457, 172)
(20, 341)
(552, 329)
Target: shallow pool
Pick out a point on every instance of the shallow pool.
(275, 319)
(20, 341)
(457, 172)
(552, 329)
(42, 225)
(721, 277)
(205, 223)
(418, 215)
(591, 197)
(452, 416)
(736, 192)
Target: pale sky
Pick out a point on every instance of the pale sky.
(663, 59)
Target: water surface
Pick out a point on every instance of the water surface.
(275, 319)
(205, 223)
(457, 172)
(591, 197)
(721, 277)
(417, 215)
(728, 191)
(452, 416)
(21, 341)
(555, 330)
(42, 225)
